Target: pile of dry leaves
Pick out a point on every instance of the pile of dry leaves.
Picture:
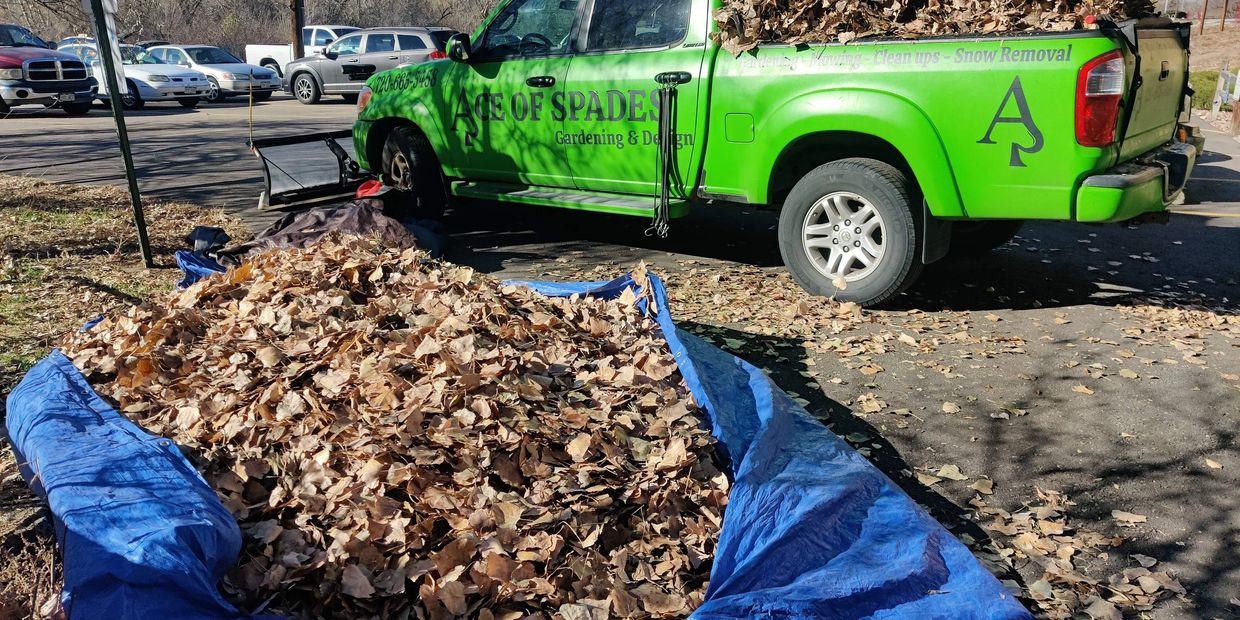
(397, 435)
(743, 24)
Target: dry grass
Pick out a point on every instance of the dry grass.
(67, 254)
(1211, 48)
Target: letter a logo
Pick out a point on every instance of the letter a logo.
(1026, 118)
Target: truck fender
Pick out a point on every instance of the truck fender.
(888, 117)
(390, 109)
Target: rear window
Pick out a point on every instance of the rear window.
(411, 42)
(440, 37)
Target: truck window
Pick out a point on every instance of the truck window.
(636, 24)
(380, 42)
(306, 35)
(347, 46)
(323, 37)
(411, 42)
(529, 28)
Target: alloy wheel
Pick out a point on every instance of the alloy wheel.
(843, 236)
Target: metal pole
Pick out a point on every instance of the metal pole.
(1205, 8)
(299, 23)
(1222, 23)
(114, 97)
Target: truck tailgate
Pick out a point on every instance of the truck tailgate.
(1157, 94)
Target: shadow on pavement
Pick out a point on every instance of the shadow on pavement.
(783, 360)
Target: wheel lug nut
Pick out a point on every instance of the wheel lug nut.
(835, 242)
(857, 243)
(848, 222)
(837, 227)
(858, 230)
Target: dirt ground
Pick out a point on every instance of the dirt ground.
(69, 254)
(1211, 48)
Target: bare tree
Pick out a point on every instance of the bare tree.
(234, 23)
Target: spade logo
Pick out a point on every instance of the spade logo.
(1017, 93)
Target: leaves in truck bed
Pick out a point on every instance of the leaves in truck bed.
(743, 24)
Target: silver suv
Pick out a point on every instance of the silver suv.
(343, 68)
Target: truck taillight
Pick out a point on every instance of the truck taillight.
(1099, 87)
(436, 55)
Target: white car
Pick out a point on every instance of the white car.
(226, 73)
(148, 79)
(314, 39)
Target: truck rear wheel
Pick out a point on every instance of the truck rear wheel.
(410, 167)
(974, 238)
(847, 230)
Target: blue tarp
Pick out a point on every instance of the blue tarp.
(812, 529)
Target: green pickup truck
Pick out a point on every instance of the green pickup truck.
(882, 154)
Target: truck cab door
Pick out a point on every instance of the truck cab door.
(611, 132)
(501, 106)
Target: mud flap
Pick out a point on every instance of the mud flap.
(936, 236)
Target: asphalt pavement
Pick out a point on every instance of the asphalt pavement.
(1071, 294)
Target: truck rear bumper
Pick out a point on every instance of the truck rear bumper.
(1148, 184)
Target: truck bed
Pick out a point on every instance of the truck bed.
(994, 114)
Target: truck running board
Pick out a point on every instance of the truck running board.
(621, 204)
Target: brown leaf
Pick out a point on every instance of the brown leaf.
(353, 582)
(1127, 519)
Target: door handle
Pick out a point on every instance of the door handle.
(668, 78)
(1165, 71)
(393, 57)
(540, 81)
(353, 60)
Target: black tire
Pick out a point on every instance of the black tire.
(4, 109)
(890, 194)
(132, 100)
(73, 109)
(306, 88)
(421, 190)
(189, 103)
(214, 94)
(975, 238)
(263, 96)
(273, 66)
(350, 97)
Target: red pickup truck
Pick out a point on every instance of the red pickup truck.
(30, 73)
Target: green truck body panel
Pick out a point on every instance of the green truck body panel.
(986, 125)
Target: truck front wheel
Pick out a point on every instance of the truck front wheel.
(410, 167)
(847, 230)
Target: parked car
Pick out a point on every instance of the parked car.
(148, 79)
(146, 45)
(343, 68)
(227, 74)
(313, 40)
(30, 73)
